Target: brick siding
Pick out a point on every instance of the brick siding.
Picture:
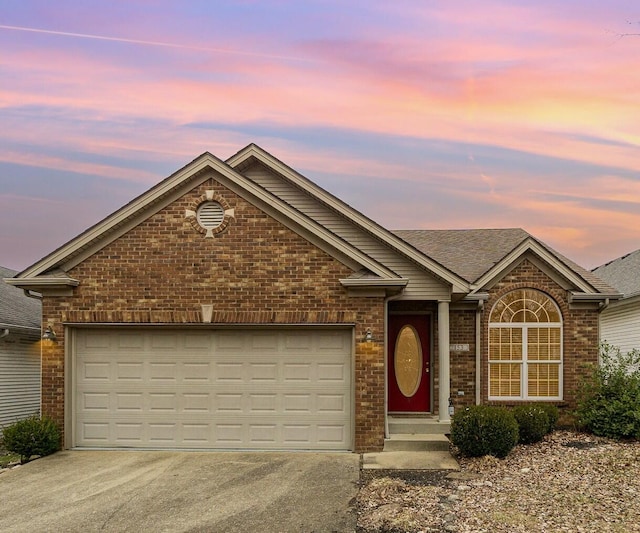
(257, 271)
(580, 327)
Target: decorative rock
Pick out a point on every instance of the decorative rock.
(464, 487)
(525, 470)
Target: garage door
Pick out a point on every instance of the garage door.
(224, 389)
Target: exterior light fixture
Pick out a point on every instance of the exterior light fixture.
(49, 335)
(368, 337)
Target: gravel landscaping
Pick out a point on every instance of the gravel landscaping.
(568, 482)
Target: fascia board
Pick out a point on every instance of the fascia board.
(394, 282)
(531, 245)
(581, 297)
(374, 287)
(30, 283)
(458, 283)
(165, 187)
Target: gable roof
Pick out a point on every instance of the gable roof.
(623, 273)
(476, 254)
(253, 153)
(465, 260)
(16, 309)
(51, 270)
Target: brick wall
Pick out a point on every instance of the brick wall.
(257, 271)
(580, 341)
(462, 325)
(580, 327)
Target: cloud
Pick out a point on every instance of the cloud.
(162, 44)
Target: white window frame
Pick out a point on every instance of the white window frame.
(524, 362)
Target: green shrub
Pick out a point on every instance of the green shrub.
(484, 430)
(609, 399)
(553, 414)
(32, 436)
(533, 423)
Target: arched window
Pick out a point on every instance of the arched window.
(525, 347)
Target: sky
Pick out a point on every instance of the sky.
(420, 114)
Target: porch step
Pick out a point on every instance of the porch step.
(416, 443)
(417, 426)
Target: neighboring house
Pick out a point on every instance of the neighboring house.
(237, 305)
(19, 353)
(620, 320)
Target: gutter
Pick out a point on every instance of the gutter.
(15, 326)
(601, 297)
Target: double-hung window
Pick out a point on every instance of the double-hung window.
(525, 347)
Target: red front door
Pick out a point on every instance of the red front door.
(408, 363)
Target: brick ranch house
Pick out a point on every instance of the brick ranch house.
(237, 305)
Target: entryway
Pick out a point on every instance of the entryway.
(409, 364)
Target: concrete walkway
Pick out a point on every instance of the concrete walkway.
(409, 460)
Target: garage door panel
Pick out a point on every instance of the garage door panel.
(95, 371)
(230, 389)
(160, 372)
(126, 371)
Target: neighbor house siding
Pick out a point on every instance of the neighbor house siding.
(19, 378)
(422, 285)
(620, 325)
(257, 272)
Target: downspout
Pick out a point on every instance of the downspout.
(478, 348)
(5, 333)
(603, 305)
(29, 294)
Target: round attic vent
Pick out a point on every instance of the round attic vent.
(210, 215)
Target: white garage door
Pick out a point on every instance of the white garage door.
(223, 389)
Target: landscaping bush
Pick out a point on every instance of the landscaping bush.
(553, 414)
(32, 436)
(533, 423)
(484, 430)
(609, 399)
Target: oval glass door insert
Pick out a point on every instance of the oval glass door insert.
(407, 361)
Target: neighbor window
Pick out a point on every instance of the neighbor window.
(525, 347)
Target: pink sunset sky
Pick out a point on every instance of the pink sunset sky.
(420, 114)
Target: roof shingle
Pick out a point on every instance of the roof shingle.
(471, 253)
(623, 273)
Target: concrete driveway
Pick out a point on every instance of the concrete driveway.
(181, 491)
